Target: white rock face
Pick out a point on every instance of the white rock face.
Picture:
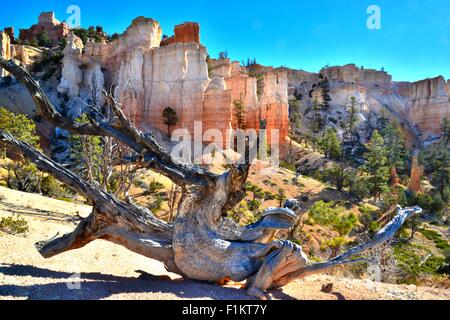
(149, 78)
(5, 50)
(72, 76)
(419, 106)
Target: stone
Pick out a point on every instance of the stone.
(10, 32)
(184, 33)
(72, 75)
(150, 75)
(429, 104)
(419, 106)
(47, 22)
(5, 50)
(20, 52)
(417, 173)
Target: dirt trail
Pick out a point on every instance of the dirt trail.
(108, 271)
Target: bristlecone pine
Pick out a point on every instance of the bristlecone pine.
(202, 243)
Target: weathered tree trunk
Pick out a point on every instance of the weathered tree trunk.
(201, 244)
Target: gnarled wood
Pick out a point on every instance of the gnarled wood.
(201, 244)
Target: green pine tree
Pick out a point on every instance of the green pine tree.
(19, 126)
(330, 145)
(317, 123)
(352, 120)
(86, 154)
(445, 128)
(376, 166)
(43, 39)
(21, 174)
(395, 143)
(440, 171)
(170, 119)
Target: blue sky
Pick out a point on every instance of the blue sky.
(413, 44)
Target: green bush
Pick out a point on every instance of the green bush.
(13, 225)
(288, 166)
(253, 205)
(358, 187)
(155, 186)
(50, 187)
(436, 238)
(328, 214)
(323, 212)
(413, 264)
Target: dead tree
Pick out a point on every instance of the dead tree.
(202, 243)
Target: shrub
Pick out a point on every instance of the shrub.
(328, 214)
(253, 205)
(155, 186)
(323, 212)
(50, 187)
(288, 166)
(358, 188)
(429, 203)
(414, 265)
(344, 224)
(436, 238)
(13, 225)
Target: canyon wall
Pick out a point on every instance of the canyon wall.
(419, 107)
(150, 75)
(429, 103)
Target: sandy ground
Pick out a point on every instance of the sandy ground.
(102, 270)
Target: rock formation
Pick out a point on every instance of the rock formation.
(20, 53)
(5, 50)
(419, 107)
(150, 75)
(10, 32)
(184, 33)
(429, 103)
(47, 22)
(417, 173)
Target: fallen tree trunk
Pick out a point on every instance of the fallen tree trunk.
(201, 243)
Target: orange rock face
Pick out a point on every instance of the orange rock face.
(270, 104)
(150, 77)
(184, 33)
(430, 104)
(416, 176)
(47, 22)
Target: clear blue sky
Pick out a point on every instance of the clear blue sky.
(413, 44)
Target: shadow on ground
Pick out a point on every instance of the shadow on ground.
(95, 286)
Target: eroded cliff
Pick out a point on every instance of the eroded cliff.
(419, 107)
(149, 76)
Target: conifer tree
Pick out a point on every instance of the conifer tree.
(352, 120)
(445, 128)
(376, 166)
(86, 154)
(330, 145)
(170, 119)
